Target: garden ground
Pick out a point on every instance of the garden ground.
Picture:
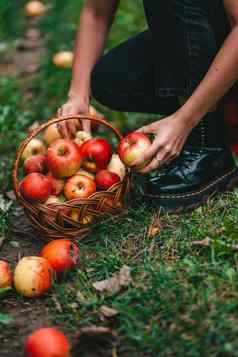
(183, 299)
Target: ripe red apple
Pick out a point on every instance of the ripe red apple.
(62, 254)
(106, 179)
(47, 342)
(96, 154)
(6, 276)
(79, 186)
(36, 163)
(35, 8)
(116, 165)
(234, 149)
(34, 147)
(35, 187)
(132, 147)
(51, 134)
(56, 183)
(63, 59)
(86, 173)
(63, 158)
(33, 276)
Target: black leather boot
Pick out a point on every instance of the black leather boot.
(204, 168)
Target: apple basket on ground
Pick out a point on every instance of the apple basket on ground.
(53, 221)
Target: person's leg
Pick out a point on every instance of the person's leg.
(124, 79)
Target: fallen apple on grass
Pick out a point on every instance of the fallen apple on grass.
(35, 163)
(62, 254)
(33, 276)
(35, 8)
(35, 187)
(47, 342)
(96, 154)
(34, 147)
(63, 158)
(6, 276)
(63, 59)
(132, 147)
(106, 179)
(79, 186)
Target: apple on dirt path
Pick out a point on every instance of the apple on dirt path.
(132, 147)
(96, 154)
(35, 163)
(63, 59)
(34, 147)
(33, 276)
(6, 276)
(79, 186)
(35, 187)
(47, 342)
(63, 158)
(106, 179)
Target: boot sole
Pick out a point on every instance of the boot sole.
(187, 202)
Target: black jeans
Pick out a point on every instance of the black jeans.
(148, 72)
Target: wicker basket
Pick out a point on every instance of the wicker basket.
(51, 221)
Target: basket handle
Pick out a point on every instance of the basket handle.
(43, 127)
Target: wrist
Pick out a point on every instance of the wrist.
(190, 120)
(76, 96)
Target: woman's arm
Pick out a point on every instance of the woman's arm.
(223, 73)
(95, 21)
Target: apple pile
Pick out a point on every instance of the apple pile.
(58, 170)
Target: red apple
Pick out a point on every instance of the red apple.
(47, 342)
(96, 154)
(34, 147)
(105, 179)
(234, 149)
(35, 187)
(62, 254)
(57, 184)
(51, 134)
(79, 186)
(63, 158)
(86, 173)
(132, 147)
(33, 276)
(36, 163)
(6, 277)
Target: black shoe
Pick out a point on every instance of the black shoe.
(189, 180)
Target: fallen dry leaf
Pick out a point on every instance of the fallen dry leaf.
(116, 283)
(205, 242)
(108, 311)
(155, 226)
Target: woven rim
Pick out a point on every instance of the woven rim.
(40, 215)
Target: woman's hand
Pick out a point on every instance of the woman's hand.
(75, 105)
(170, 136)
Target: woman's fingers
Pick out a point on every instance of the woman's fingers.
(148, 154)
(63, 129)
(86, 126)
(153, 165)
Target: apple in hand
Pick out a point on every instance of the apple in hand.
(35, 187)
(106, 179)
(79, 186)
(34, 147)
(36, 163)
(63, 158)
(57, 184)
(81, 136)
(132, 147)
(116, 165)
(96, 154)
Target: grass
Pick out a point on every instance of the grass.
(184, 297)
